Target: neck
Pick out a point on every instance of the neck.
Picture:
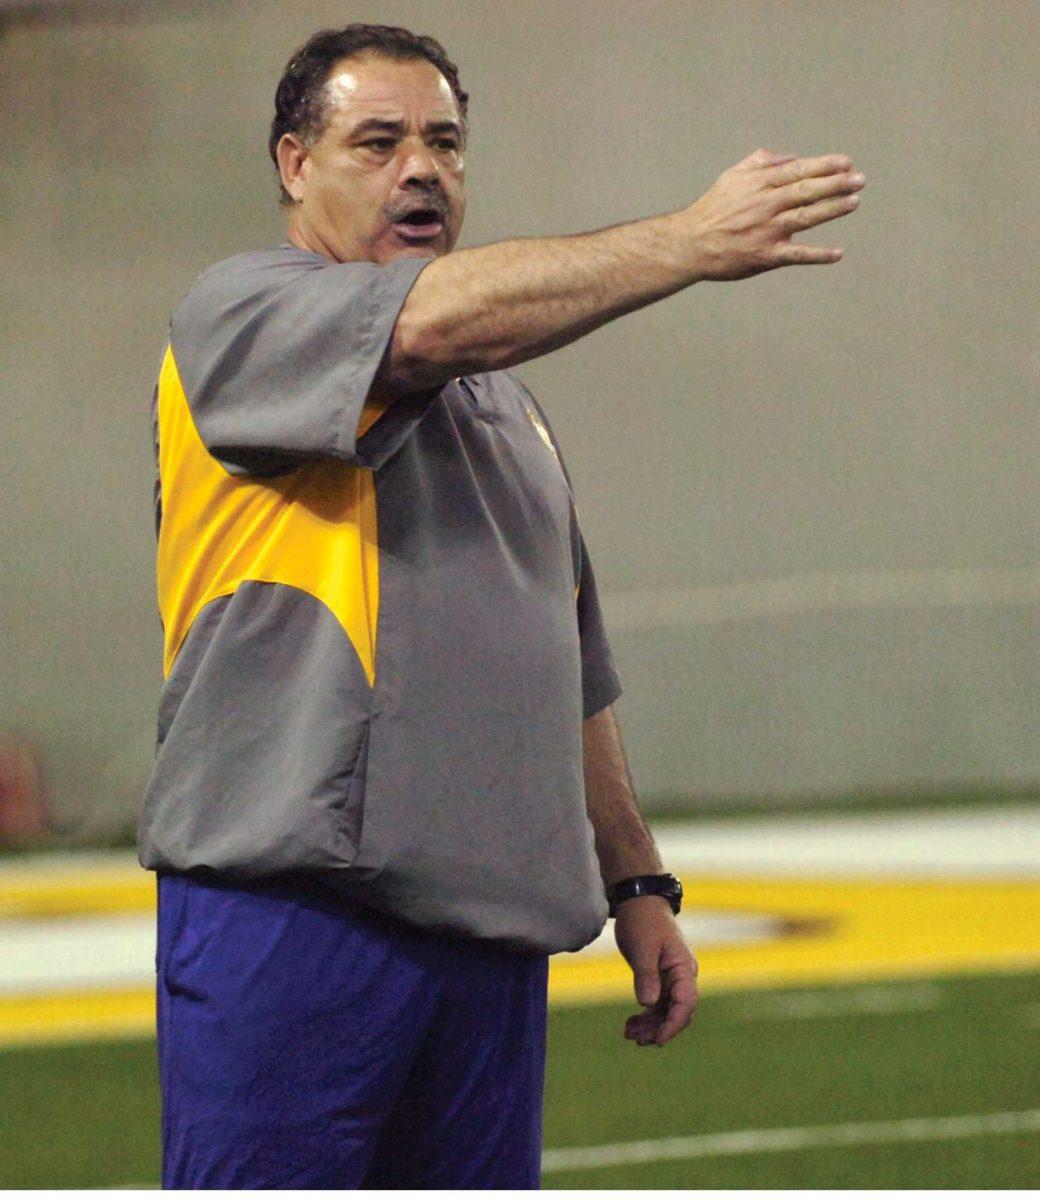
(304, 237)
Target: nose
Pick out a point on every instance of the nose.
(419, 165)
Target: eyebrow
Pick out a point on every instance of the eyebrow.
(377, 124)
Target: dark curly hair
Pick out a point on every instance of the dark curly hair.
(299, 102)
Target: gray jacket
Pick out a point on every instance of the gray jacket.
(381, 624)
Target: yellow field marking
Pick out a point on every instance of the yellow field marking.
(77, 1016)
(842, 929)
(834, 930)
(105, 890)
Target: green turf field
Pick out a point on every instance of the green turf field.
(87, 1115)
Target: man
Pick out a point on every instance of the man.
(389, 780)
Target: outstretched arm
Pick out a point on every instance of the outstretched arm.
(493, 306)
(664, 970)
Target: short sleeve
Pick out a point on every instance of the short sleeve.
(277, 350)
(600, 685)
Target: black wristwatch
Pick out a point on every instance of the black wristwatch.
(645, 885)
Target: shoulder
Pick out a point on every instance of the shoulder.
(265, 281)
(279, 288)
(273, 259)
(251, 271)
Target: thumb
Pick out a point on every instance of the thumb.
(647, 981)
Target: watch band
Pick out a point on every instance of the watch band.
(645, 885)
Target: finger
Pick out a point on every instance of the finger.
(796, 254)
(680, 1012)
(806, 192)
(807, 168)
(681, 996)
(677, 985)
(643, 1028)
(647, 979)
(645, 1037)
(647, 1022)
(800, 219)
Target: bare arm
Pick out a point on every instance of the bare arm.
(664, 971)
(494, 306)
(624, 844)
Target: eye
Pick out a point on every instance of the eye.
(385, 142)
(447, 144)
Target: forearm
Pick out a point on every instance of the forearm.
(490, 307)
(495, 306)
(624, 844)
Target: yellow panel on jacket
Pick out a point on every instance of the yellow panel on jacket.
(312, 529)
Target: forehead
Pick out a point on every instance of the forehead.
(377, 86)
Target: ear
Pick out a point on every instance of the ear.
(293, 165)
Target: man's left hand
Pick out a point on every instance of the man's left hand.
(664, 970)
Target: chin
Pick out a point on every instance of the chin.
(428, 251)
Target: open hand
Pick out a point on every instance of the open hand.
(743, 224)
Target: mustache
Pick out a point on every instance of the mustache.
(431, 201)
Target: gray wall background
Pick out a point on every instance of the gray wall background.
(810, 496)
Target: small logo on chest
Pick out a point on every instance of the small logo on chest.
(543, 433)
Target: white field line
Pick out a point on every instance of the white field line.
(766, 1141)
(998, 842)
(821, 591)
(844, 1002)
(59, 954)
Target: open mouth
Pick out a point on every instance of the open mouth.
(421, 224)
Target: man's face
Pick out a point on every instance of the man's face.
(392, 145)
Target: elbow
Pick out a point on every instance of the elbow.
(428, 348)
(414, 363)
(407, 366)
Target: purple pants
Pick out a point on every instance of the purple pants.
(307, 1044)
